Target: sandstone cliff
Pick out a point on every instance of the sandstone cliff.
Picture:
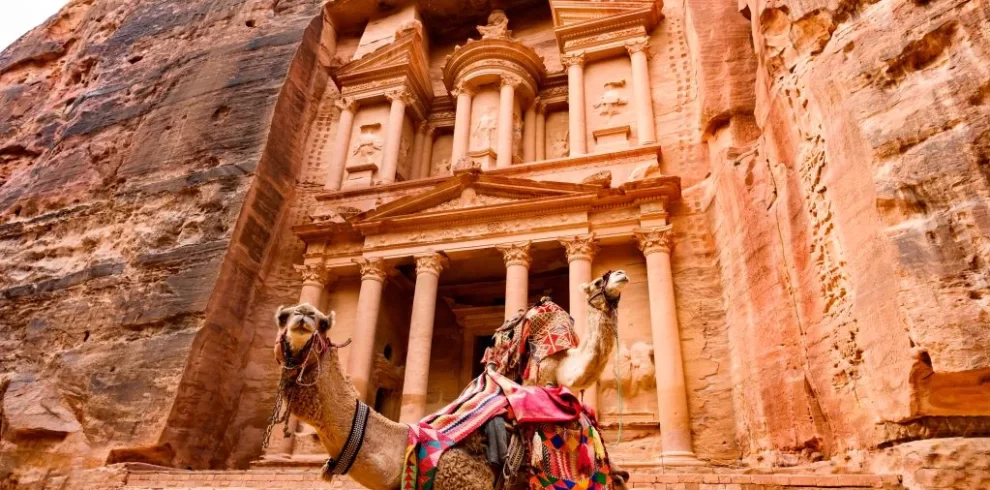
(132, 145)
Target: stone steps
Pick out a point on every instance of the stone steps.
(271, 478)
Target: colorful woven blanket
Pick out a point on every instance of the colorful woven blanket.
(574, 455)
(523, 341)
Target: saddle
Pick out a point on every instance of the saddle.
(529, 337)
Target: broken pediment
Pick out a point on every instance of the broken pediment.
(402, 63)
(583, 25)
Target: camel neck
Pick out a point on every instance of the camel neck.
(329, 406)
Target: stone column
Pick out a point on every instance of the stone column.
(580, 253)
(575, 102)
(362, 355)
(675, 423)
(529, 133)
(426, 159)
(462, 123)
(417, 377)
(506, 104)
(342, 143)
(315, 279)
(517, 261)
(393, 135)
(541, 130)
(645, 126)
(417, 151)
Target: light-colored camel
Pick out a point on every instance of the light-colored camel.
(580, 367)
(325, 399)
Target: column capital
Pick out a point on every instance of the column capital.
(516, 254)
(572, 59)
(346, 104)
(539, 105)
(431, 264)
(401, 93)
(314, 274)
(462, 88)
(372, 269)
(638, 45)
(653, 240)
(582, 247)
(425, 127)
(511, 80)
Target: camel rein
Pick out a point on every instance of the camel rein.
(355, 438)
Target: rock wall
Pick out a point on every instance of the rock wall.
(134, 185)
(851, 222)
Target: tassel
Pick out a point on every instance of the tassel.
(585, 461)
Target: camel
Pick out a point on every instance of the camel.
(319, 393)
(580, 367)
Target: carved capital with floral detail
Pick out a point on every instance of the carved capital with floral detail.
(580, 247)
(346, 104)
(516, 254)
(462, 88)
(425, 127)
(402, 94)
(538, 105)
(511, 80)
(655, 240)
(430, 264)
(637, 45)
(372, 269)
(573, 59)
(314, 274)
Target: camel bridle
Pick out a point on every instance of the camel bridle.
(611, 302)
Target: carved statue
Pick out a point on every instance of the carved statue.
(517, 133)
(369, 144)
(611, 101)
(484, 131)
(636, 370)
(444, 167)
(497, 28)
(561, 145)
(319, 393)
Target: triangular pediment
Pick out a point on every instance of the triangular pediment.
(472, 192)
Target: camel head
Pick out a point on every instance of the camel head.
(297, 325)
(606, 290)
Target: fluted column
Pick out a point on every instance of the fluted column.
(417, 376)
(342, 143)
(529, 133)
(580, 254)
(417, 151)
(426, 159)
(393, 134)
(541, 130)
(506, 104)
(361, 359)
(575, 102)
(675, 423)
(462, 123)
(517, 261)
(315, 278)
(645, 125)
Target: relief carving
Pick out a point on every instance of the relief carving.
(611, 101)
(369, 146)
(637, 373)
(484, 131)
(561, 145)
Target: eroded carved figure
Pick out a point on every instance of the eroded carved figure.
(369, 144)
(484, 131)
(611, 101)
(497, 28)
(561, 146)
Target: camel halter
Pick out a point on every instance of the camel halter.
(612, 303)
(322, 345)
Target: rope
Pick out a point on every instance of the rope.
(618, 384)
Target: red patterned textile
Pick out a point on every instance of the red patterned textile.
(522, 342)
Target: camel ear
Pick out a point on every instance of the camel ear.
(586, 288)
(327, 322)
(281, 316)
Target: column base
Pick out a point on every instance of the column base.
(680, 458)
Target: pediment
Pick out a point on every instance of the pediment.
(471, 192)
(401, 62)
(587, 26)
(571, 12)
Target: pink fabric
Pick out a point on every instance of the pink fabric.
(539, 404)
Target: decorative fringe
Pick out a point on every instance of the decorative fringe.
(326, 473)
(586, 463)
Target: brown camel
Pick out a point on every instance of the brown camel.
(323, 397)
(580, 367)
